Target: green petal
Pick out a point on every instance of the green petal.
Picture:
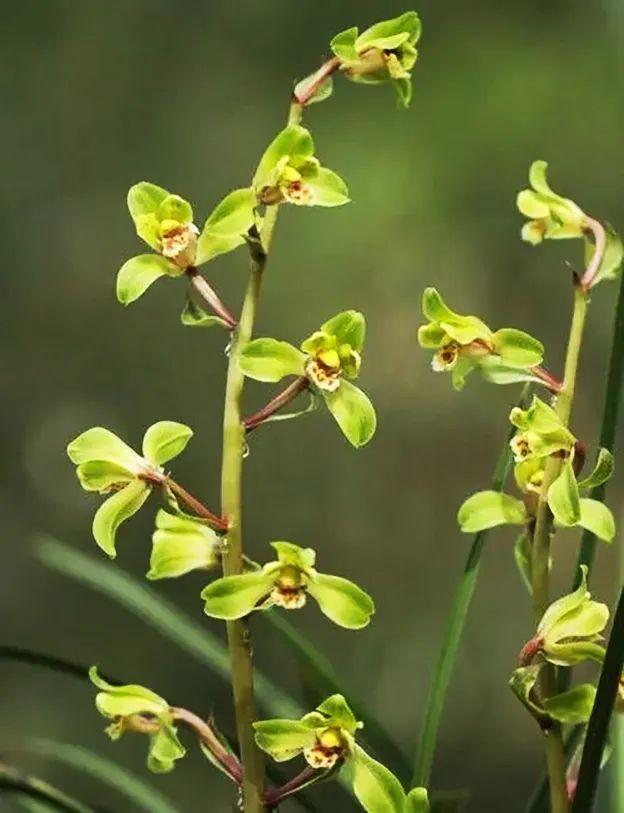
(294, 141)
(122, 701)
(389, 34)
(341, 601)
(270, 360)
(173, 207)
(100, 475)
(165, 749)
(353, 412)
(227, 225)
(327, 188)
(517, 349)
(611, 264)
(431, 336)
(531, 205)
(558, 609)
(138, 273)
(165, 440)
(586, 620)
(597, 518)
(180, 545)
(417, 801)
(463, 329)
(603, 470)
(102, 445)
(563, 497)
(349, 327)
(338, 713)
(290, 554)
(487, 509)
(572, 707)
(573, 653)
(284, 739)
(537, 178)
(343, 45)
(495, 372)
(236, 596)
(115, 510)
(144, 201)
(376, 788)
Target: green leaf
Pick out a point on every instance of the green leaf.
(341, 601)
(327, 188)
(572, 707)
(517, 349)
(115, 510)
(353, 412)
(99, 444)
(417, 801)
(376, 788)
(563, 497)
(293, 141)
(165, 440)
(349, 327)
(284, 739)
(487, 509)
(227, 225)
(270, 360)
(123, 701)
(138, 273)
(236, 596)
(180, 545)
(522, 556)
(597, 518)
(343, 45)
(194, 316)
(165, 749)
(603, 470)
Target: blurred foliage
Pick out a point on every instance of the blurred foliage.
(97, 96)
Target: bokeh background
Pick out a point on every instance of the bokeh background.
(97, 95)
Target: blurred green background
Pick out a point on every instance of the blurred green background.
(98, 95)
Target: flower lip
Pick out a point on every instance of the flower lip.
(290, 591)
(323, 376)
(328, 748)
(520, 447)
(445, 358)
(179, 242)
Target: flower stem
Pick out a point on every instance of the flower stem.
(196, 506)
(239, 641)
(209, 738)
(454, 629)
(209, 295)
(555, 755)
(287, 395)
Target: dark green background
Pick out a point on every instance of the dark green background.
(96, 96)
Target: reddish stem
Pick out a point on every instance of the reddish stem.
(600, 244)
(316, 80)
(207, 735)
(553, 384)
(195, 505)
(210, 296)
(298, 386)
(275, 795)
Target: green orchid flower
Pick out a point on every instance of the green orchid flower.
(165, 222)
(552, 217)
(572, 707)
(326, 738)
(328, 359)
(135, 708)
(541, 432)
(106, 464)
(570, 628)
(287, 582)
(385, 52)
(181, 544)
(289, 172)
(463, 344)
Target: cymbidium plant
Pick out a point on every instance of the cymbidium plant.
(190, 536)
(548, 463)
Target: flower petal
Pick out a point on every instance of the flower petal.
(115, 510)
(342, 601)
(165, 440)
(270, 360)
(138, 273)
(236, 596)
(284, 739)
(376, 788)
(353, 411)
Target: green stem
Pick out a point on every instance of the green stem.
(239, 642)
(453, 633)
(555, 755)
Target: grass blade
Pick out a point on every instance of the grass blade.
(454, 629)
(157, 612)
(13, 782)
